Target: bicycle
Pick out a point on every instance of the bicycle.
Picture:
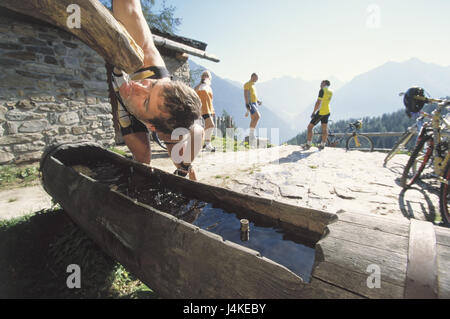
(405, 138)
(432, 144)
(354, 140)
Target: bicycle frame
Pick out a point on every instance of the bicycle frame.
(439, 161)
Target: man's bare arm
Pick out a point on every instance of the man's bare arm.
(129, 13)
(246, 96)
(316, 106)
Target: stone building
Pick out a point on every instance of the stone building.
(54, 88)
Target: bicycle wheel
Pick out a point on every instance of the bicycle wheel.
(404, 139)
(158, 141)
(444, 197)
(359, 142)
(417, 163)
(333, 141)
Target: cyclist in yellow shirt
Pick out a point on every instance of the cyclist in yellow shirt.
(321, 113)
(251, 103)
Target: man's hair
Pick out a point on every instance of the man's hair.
(253, 74)
(327, 83)
(183, 105)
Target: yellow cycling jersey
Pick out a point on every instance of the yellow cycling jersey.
(325, 97)
(249, 86)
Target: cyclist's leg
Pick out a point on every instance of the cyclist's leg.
(324, 121)
(315, 119)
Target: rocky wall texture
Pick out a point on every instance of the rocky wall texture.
(53, 89)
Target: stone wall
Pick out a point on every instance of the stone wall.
(53, 89)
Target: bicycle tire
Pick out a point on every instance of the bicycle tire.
(404, 139)
(407, 182)
(158, 141)
(365, 144)
(443, 197)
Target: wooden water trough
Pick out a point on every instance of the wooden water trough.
(355, 256)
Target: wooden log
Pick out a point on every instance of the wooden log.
(443, 265)
(98, 28)
(421, 278)
(179, 47)
(358, 257)
(179, 260)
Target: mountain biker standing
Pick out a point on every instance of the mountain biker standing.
(204, 91)
(321, 113)
(251, 103)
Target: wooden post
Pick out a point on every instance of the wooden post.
(421, 274)
(245, 230)
(98, 28)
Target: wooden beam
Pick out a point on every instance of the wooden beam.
(179, 47)
(98, 28)
(421, 274)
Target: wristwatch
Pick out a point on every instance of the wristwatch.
(183, 170)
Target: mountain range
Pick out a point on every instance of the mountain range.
(288, 102)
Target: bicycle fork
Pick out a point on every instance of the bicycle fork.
(355, 137)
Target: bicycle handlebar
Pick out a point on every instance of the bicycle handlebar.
(429, 100)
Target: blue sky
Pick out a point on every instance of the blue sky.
(315, 39)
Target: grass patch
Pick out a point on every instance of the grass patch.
(18, 175)
(119, 151)
(36, 250)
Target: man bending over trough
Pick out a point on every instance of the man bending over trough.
(151, 101)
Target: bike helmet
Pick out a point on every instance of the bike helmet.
(412, 104)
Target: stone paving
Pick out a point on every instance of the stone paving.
(330, 180)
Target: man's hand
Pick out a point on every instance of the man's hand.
(259, 102)
(248, 109)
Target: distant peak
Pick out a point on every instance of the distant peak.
(414, 60)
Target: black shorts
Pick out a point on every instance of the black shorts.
(322, 118)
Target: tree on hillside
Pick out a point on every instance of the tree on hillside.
(164, 19)
(392, 122)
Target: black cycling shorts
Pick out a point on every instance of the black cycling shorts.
(322, 118)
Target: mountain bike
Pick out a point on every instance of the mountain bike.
(432, 153)
(354, 140)
(406, 137)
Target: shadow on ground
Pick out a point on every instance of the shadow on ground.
(293, 157)
(36, 250)
(427, 208)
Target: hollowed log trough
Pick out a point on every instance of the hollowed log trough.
(179, 260)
